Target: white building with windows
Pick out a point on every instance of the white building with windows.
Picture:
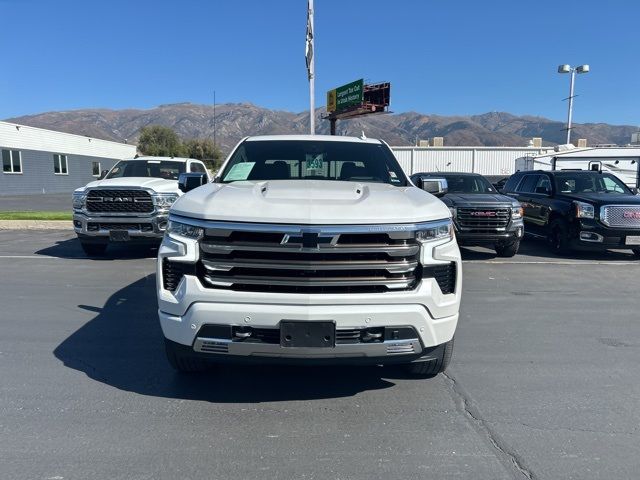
(35, 160)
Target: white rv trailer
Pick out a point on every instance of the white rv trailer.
(623, 162)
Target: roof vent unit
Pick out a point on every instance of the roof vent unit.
(582, 143)
(536, 142)
(423, 143)
(437, 142)
(564, 147)
(635, 138)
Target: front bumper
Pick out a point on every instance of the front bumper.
(432, 314)
(591, 235)
(512, 233)
(100, 226)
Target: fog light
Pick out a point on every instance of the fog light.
(520, 232)
(162, 226)
(77, 223)
(591, 237)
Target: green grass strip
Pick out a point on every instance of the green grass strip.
(35, 215)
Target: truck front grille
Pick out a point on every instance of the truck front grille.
(483, 219)
(309, 262)
(119, 201)
(623, 216)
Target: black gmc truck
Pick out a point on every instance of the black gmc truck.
(481, 215)
(578, 209)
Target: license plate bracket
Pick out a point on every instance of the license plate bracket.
(303, 334)
(119, 236)
(632, 240)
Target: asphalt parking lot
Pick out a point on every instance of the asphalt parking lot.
(544, 381)
(46, 202)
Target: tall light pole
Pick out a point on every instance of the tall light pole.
(572, 71)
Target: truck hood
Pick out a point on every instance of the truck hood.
(156, 184)
(604, 198)
(310, 202)
(478, 200)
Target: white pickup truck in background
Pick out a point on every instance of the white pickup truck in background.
(309, 249)
(131, 202)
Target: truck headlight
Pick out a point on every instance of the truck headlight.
(584, 210)
(164, 200)
(517, 213)
(437, 232)
(79, 200)
(185, 230)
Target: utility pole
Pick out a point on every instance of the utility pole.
(214, 120)
(309, 54)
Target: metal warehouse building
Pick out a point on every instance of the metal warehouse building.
(483, 160)
(35, 160)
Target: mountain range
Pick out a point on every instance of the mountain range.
(236, 120)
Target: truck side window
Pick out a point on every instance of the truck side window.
(528, 184)
(543, 186)
(197, 168)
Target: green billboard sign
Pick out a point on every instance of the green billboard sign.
(346, 96)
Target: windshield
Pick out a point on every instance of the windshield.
(167, 169)
(590, 183)
(313, 160)
(468, 184)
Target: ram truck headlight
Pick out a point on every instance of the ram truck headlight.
(164, 200)
(437, 232)
(584, 210)
(185, 230)
(79, 200)
(517, 213)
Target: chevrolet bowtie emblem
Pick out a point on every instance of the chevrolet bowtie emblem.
(309, 239)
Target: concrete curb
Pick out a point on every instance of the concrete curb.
(36, 225)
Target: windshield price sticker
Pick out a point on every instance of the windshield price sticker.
(314, 162)
(240, 171)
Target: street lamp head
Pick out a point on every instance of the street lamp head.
(582, 69)
(564, 68)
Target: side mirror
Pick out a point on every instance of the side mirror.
(634, 190)
(189, 181)
(103, 174)
(435, 186)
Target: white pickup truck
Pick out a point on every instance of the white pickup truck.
(130, 203)
(309, 249)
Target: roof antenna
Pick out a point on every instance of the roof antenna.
(363, 136)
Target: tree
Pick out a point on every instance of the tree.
(204, 149)
(160, 141)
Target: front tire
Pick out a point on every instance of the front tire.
(431, 368)
(93, 249)
(558, 239)
(508, 250)
(182, 362)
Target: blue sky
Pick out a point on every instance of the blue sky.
(442, 57)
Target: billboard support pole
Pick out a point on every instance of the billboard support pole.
(332, 123)
(312, 73)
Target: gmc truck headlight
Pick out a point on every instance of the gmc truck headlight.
(584, 210)
(164, 200)
(437, 232)
(185, 230)
(79, 200)
(517, 213)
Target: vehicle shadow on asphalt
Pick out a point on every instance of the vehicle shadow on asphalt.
(123, 347)
(71, 249)
(532, 250)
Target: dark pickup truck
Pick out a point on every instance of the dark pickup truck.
(582, 210)
(481, 215)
